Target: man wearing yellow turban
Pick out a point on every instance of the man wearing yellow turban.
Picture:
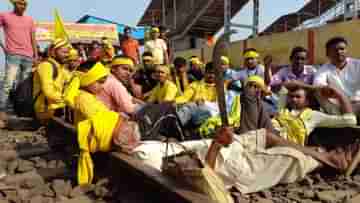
(100, 129)
(50, 79)
(165, 90)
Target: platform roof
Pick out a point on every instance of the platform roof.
(210, 22)
(292, 20)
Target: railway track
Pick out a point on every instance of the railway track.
(135, 178)
(40, 167)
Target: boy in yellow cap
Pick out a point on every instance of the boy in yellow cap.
(49, 80)
(157, 47)
(230, 74)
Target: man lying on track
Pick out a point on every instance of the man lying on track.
(258, 159)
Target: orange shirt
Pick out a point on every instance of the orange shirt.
(129, 48)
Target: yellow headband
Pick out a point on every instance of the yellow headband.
(149, 58)
(155, 29)
(163, 68)
(259, 81)
(122, 61)
(59, 43)
(18, 1)
(73, 54)
(225, 60)
(251, 54)
(195, 60)
(97, 72)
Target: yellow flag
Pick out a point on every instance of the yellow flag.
(60, 31)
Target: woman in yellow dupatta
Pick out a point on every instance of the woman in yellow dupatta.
(100, 128)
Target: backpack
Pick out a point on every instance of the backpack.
(22, 96)
(157, 120)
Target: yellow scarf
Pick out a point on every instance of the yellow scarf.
(295, 125)
(94, 135)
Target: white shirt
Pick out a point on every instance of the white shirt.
(158, 48)
(346, 80)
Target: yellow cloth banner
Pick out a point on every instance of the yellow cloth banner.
(78, 32)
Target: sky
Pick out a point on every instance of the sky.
(130, 11)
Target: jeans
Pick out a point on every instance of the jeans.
(17, 68)
(191, 112)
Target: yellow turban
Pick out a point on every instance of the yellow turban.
(251, 54)
(101, 127)
(259, 81)
(155, 29)
(95, 73)
(122, 61)
(225, 60)
(59, 43)
(163, 68)
(73, 54)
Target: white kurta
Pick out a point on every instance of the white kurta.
(245, 164)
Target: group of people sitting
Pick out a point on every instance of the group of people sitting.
(116, 105)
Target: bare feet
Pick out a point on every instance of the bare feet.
(3, 120)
